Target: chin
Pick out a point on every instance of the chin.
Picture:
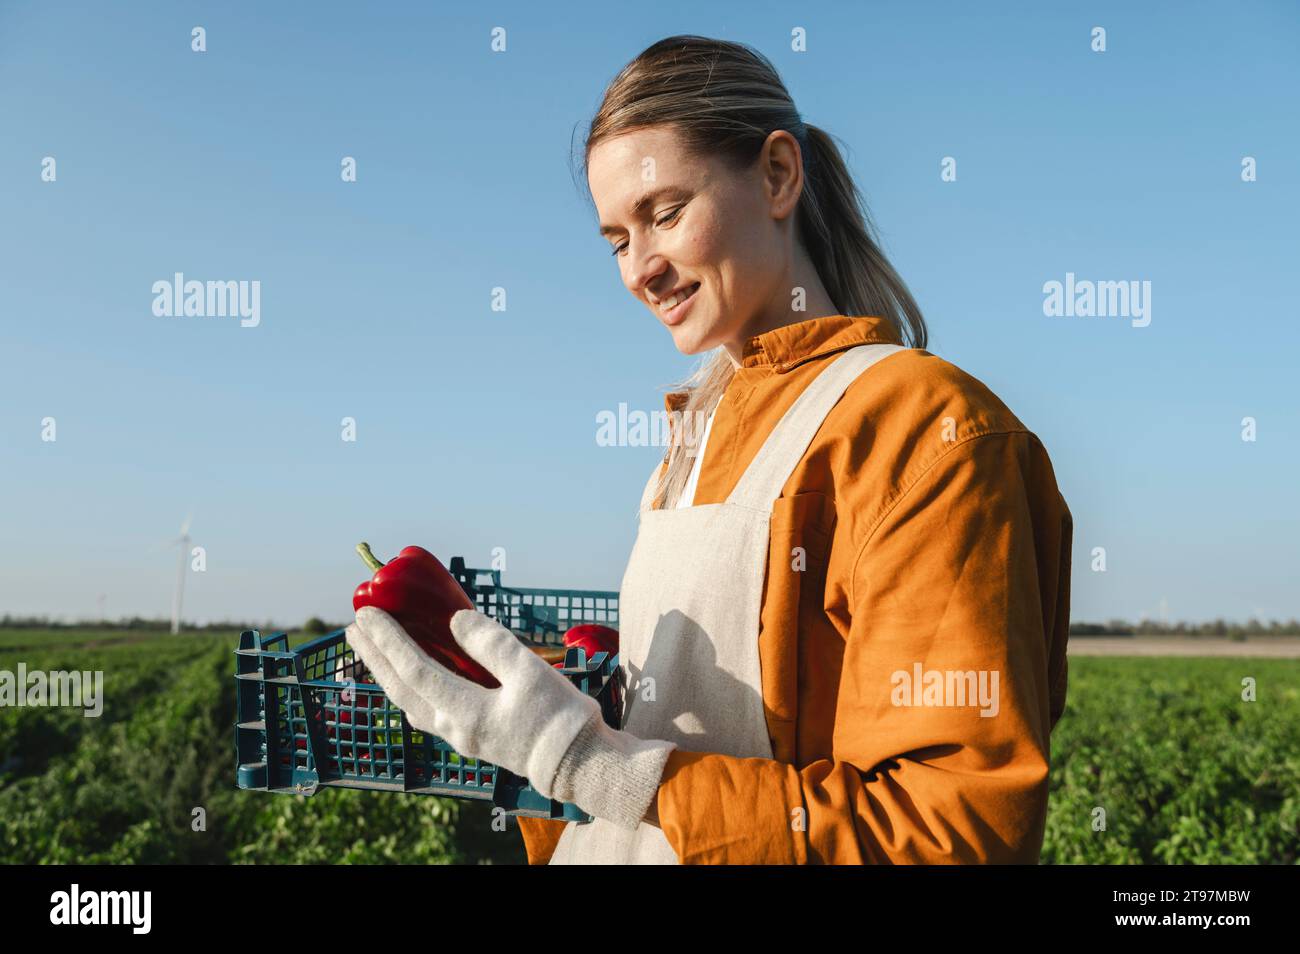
(687, 343)
(689, 340)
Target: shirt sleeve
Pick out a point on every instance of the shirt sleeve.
(540, 835)
(963, 583)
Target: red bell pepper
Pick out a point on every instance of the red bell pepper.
(593, 638)
(417, 591)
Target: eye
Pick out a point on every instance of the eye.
(669, 217)
(664, 221)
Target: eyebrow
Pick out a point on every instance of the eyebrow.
(647, 200)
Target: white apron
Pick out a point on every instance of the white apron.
(689, 616)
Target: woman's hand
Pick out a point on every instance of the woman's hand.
(525, 726)
(537, 724)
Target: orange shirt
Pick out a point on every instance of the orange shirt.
(934, 547)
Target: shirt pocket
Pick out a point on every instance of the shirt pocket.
(805, 521)
(802, 528)
(794, 592)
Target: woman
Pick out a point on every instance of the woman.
(843, 622)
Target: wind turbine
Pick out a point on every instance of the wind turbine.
(184, 542)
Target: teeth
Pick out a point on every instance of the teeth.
(670, 303)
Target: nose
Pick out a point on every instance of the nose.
(643, 267)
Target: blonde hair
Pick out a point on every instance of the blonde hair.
(724, 99)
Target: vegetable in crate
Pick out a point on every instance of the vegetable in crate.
(417, 591)
(593, 638)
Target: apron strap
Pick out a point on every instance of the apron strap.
(764, 479)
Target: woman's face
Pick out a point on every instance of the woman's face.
(677, 222)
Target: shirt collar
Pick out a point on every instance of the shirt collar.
(789, 346)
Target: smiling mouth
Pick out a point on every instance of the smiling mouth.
(666, 306)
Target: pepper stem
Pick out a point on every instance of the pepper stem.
(371, 560)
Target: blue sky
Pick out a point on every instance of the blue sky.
(476, 429)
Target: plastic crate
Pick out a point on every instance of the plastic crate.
(311, 716)
(544, 615)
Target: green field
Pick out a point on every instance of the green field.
(1184, 770)
(122, 787)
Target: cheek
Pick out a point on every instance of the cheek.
(726, 245)
(701, 245)
(727, 257)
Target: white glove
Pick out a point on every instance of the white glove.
(537, 724)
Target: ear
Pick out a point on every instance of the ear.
(782, 167)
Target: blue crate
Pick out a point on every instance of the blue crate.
(543, 615)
